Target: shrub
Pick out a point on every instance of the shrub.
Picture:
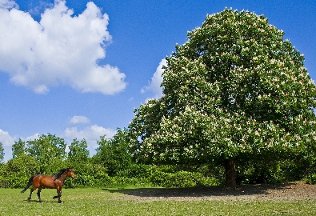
(136, 171)
(182, 179)
(121, 181)
(311, 179)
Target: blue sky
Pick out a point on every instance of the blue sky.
(79, 68)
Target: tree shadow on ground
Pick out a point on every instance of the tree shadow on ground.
(245, 190)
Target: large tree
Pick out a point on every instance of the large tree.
(235, 90)
(49, 151)
(78, 151)
(113, 153)
(18, 148)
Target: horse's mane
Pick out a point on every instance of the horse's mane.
(57, 175)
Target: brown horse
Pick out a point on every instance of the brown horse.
(42, 181)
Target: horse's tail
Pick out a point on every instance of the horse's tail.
(28, 184)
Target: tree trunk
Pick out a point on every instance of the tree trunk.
(230, 173)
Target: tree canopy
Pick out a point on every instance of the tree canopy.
(18, 148)
(113, 153)
(78, 152)
(48, 150)
(236, 89)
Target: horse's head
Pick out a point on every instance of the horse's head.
(70, 172)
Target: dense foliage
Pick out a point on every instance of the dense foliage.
(111, 166)
(235, 92)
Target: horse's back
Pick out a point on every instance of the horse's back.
(43, 181)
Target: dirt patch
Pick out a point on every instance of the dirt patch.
(291, 191)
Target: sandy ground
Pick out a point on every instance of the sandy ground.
(290, 191)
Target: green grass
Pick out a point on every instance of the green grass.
(93, 201)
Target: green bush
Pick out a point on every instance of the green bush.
(272, 172)
(17, 171)
(159, 178)
(311, 179)
(119, 181)
(89, 175)
(182, 179)
(136, 171)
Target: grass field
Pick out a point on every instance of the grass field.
(93, 201)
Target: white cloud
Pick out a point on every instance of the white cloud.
(8, 4)
(60, 49)
(75, 120)
(32, 137)
(7, 140)
(81, 128)
(91, 134)
(154, 86)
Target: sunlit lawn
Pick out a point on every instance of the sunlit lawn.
(93, 201)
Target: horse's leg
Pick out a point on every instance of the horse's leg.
(58, 195)
(39, 194)
(31, 191)
(55, 197)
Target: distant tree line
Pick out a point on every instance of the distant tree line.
(112, 165)
(115, 165)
